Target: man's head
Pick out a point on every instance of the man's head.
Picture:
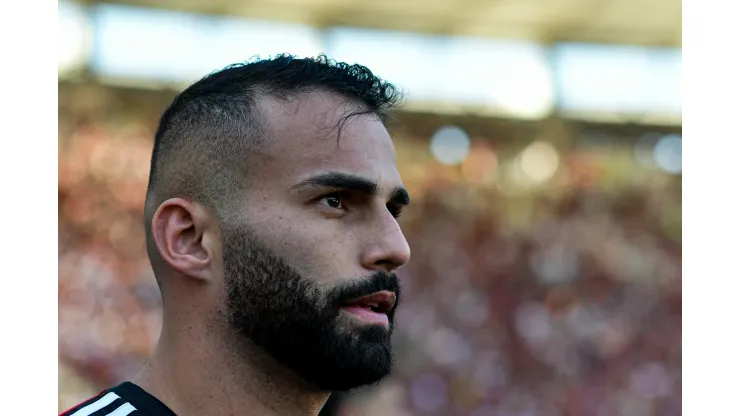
(271, 207)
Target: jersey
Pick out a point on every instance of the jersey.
(126, 399)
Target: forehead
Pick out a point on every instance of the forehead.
(305, 138)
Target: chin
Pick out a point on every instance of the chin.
(348, 358)
(343, 377)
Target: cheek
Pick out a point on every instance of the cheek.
(320, 250)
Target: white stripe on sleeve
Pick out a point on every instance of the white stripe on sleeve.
(97, 405)
(123, 410)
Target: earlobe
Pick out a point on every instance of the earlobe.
(178, 227)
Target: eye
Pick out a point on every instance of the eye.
(332, 201)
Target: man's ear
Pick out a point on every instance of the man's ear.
(186, 236)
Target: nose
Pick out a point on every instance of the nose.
(388, 250)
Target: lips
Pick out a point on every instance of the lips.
(379, 302)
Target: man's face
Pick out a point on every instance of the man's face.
(309, 260)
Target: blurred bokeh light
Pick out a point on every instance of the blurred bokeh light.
(450, 145)
(667, 153)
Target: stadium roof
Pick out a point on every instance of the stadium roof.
(636, 22)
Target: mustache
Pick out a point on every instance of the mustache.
(358, 288)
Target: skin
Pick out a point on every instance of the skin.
(200, 366)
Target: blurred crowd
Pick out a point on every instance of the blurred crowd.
(557, 299)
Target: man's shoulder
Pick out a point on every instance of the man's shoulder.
(111, 402)
(126, 399)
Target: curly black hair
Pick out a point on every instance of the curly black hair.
(209, 128)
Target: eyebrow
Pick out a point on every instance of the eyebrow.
(355, 183)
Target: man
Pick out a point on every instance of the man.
(271, 228)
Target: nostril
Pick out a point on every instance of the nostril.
(386, 265)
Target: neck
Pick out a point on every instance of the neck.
(197, 375)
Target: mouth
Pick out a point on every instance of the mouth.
(372, 308)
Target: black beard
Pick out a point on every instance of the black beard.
(297, 323)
